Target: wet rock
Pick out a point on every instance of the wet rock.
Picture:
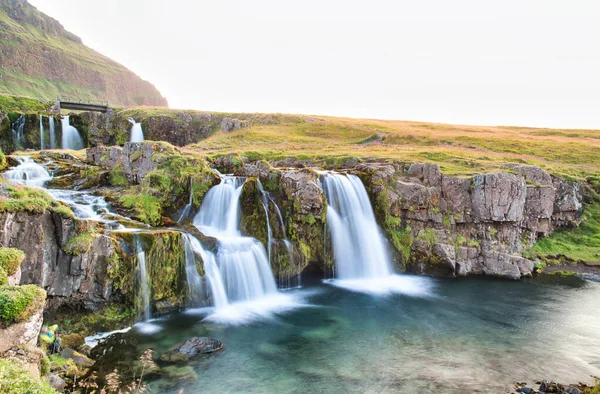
(180, 373)
(191, 348)
(80, 359)
(55, 381)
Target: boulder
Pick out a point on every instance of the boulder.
(81, 360)
(303, 185)
(55, 381)
(24, 333)
(191, 348)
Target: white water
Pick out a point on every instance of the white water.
(143, 275)
(41, 133)
(137, 134)
(361, 260)
(52, 135)
(71, 139)
(27, 173)
(193, 278)
(18, 128)
(239, 275)
(188, 208)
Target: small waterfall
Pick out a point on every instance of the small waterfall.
(52, 135)
(18, 128)
(193, 278)
(267, 199)
(137, 134)
(359, 247)
(41, 133)
(71, 139)
(238, 272)
(28, 173)
(188, 208)
(144, 289)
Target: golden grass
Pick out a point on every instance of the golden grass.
(458, 149)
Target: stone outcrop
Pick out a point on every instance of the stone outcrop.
(471, 226)
(191, 348)
(79, 278)
(23, 333)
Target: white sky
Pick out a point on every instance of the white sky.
(488, 62)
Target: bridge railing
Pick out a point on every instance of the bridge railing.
(98, 103)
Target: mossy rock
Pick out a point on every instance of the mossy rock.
(16, 379)
(11, 259)
(73, 341)
(19, 303)
(29, 199)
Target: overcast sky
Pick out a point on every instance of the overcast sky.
(508, 62)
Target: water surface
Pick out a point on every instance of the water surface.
(464, 335)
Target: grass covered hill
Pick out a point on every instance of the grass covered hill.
(40, 59)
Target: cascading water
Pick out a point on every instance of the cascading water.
(359, 249)
(71, 139)
(239, 274)
(188, 208)
(27, 173)
(267, 199)
(18, 127)
(144, 289)
(137, 134)
(41, 132)
(52, 134)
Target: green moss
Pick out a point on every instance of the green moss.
(117, 177)
(16, 379)
(402, 241)
(11, 259)
(145, 207)
(3, 162)
(493, 231)
(109, 318)
(80, 243)
(23, 198)
(429, 236)
(3, 277)
(18, 303)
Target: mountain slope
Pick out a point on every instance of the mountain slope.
(39, 58)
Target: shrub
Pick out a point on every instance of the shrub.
(16, 379)
(11, 259)
(18, 303)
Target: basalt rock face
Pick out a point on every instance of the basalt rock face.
(469, 226)
(79, 280)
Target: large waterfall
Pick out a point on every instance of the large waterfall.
(137, 134)
(71, 139)
(18, 128)
(361, 259)
(238, 271)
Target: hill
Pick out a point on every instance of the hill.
(40, 59)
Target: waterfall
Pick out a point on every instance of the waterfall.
(267, 199)
(188, 208)
(71, 139)
(358, 244)
(27, 172)
(52, 135)
(41, 133)
(360, 255)
(238, 271)
(137, 134)
(18, 127)
(193, 278)
(144, 289)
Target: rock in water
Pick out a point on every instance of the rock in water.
(191, 348)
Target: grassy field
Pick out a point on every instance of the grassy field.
(459, 150)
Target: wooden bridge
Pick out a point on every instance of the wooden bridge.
(81, 105)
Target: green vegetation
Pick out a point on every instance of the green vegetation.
(112, 317)
(3, 162)
(16, 379)
(78, 73)
(581, 244)
(23, 198)
(81, 242)
(146, 208)
(22, 105)
(18, 303)
(11, 259)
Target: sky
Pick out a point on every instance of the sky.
(506, 62)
